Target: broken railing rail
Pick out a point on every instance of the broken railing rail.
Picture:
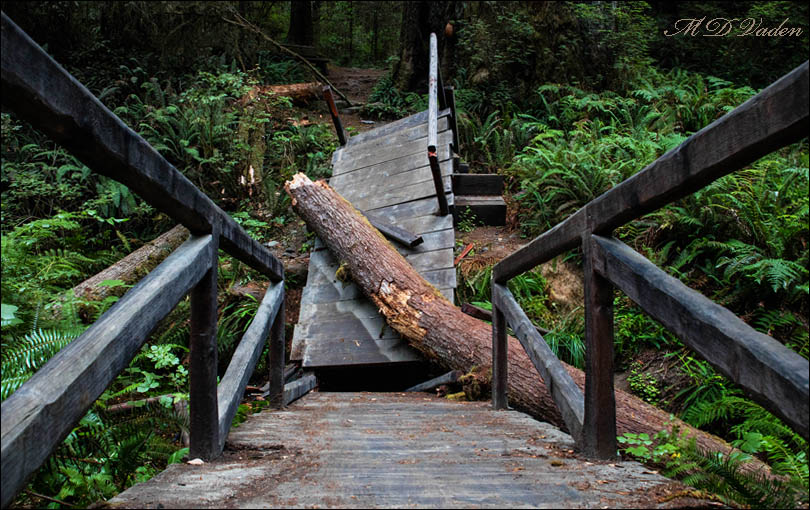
(333, 111)
(435, 89)
(773, 375)
(38, 416)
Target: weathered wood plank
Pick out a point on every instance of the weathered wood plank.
(567, 396)
(394, 233)
(351, 161)
(42, 412)
(485, 315)
(772, 375)
(402, 195)
(599, 429)
(425, 224)
(202, 370)
(775, 117)
(336, 310)
(500, 361)
(453, 119)
(297, 389)
(487, 209)
(448, 378)
(396, 213)
(275, 362)
(433, 241)
(354, 183)
(385, 168)
(392, 127)
(40, 91)
(406, 134)
(245, 358)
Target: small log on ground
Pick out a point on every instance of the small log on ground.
(438, 329)
(300, 93)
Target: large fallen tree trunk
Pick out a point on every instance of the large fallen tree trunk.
(440, 330)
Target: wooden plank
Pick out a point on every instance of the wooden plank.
(392, 127)
(485, 315)
(387, 167)
(400, 235)
(346, 329)
(360, 308)
(478, 184)
(433, 107)
(416, 132)
(405, 194)
(432, 241)
(599, 428)
(770, 373)
(566, 393)
(376, 185)
(425, 224)
(396, 213)
(203, 364)
(298, 388)
(41, 92)
(245, 358)
(383, 176)
(315, 356)
(453, 119)
(38, 416)
(351, 161)
(322, 273)
(563, 237)
(448, 378)
(489, 210)
(775, 117)
(437, 259)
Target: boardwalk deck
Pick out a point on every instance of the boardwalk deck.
(384, 173)
(397, 450)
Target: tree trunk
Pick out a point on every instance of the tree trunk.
(439, 330)
(300, 31)
(419, 19)
(129, 269)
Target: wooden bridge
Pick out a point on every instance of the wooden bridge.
(387, 449)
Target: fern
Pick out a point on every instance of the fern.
(22, 357)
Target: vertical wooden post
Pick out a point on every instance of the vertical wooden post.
(203, 407)
(599, 429)
(451, 103)
(499, 360)
(276, 361)
(433, 112)
(330, 101)
(440, 86)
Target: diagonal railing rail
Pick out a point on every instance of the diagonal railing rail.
(773, 375)
(38, 416)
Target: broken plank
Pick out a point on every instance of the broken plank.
(393, 127)
(402, 195)
(406, 134)
(354, 161)
(422, 207)
(448, 378)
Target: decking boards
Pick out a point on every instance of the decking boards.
(399, 450)
(384, 173)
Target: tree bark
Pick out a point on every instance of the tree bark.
(439, 330)
(300, 31)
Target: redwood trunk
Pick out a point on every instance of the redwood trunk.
(438, 329)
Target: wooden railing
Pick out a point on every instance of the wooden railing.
(770, 373)
(38, 416)
(436, 100)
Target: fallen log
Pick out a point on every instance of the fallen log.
(439, 330)
(300, 93)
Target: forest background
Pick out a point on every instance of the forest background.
(565, 99)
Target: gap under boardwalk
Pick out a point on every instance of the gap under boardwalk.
(382, 450)
(385, 174)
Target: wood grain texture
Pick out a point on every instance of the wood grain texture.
(245, 358)
(566, 394)
(354, 161)
(42, 412)
(41, 92)
(478, 184)
(770, 373)
(393, 127)
(599, 428)
(433, 107)
(203, 363)
(385, 177)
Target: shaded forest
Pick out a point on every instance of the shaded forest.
(564, 99)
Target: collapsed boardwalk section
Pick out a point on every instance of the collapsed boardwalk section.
(385, 173)
(364, 450)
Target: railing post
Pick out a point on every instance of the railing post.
(330, 101)
(433, 118)
(451, 103)
(599, 428)
(499, 359)
(276, 359)
(203, 406)
(442, 98)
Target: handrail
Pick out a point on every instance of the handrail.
(433, 121)
(773, 375)
(38, 416)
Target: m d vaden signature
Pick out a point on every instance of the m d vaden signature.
(741, 27)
